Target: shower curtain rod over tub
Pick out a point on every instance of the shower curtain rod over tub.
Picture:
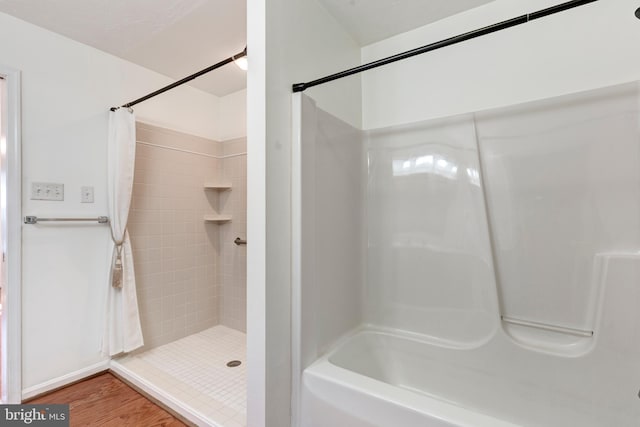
(522, 19)
(184, 80)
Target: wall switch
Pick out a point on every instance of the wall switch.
(86, 195)
(47, 191)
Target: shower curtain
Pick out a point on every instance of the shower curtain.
(123, 332)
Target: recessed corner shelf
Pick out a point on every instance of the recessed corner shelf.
(217, 187)
(217, 218)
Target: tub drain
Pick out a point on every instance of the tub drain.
(234, 363)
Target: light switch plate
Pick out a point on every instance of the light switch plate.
(86, 194)
(47, 191)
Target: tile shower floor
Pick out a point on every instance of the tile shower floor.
(194, 371)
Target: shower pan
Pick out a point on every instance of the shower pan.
(476, 270)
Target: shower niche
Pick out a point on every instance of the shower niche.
(216, 189)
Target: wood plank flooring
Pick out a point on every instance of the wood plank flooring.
(106, 401)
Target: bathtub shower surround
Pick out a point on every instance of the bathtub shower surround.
(430, 269)
(502, 262)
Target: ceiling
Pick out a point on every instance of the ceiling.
(179, 37)
(370, 21)
(173, 37)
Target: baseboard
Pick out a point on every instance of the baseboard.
(160, 396)
(63, 381)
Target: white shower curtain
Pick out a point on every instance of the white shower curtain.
(122, 332)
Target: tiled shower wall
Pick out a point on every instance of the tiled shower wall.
(176, 258)
(189, 274)
(233, 295)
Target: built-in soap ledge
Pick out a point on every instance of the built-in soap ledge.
(548, 338)
(217, 186)
(217, 218)
(547, 327)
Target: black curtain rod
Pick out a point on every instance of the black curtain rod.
(523, 19)
(185, 80)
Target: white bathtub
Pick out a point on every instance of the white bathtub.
(352, 388)
(376, 378)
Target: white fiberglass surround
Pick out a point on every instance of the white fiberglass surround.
(502, 267)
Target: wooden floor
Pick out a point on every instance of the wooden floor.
(106, 401)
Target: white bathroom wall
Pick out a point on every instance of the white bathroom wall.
(301, 41)
(232, 117)
(580, 49)
(67, 89)
(256, 217)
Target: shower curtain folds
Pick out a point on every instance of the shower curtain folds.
(123, 332)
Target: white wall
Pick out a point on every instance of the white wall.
(67, 89)
(256, 212)
(232, 116)
(298, 42)
(580, 49)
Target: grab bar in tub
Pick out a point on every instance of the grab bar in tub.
(547, 327)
